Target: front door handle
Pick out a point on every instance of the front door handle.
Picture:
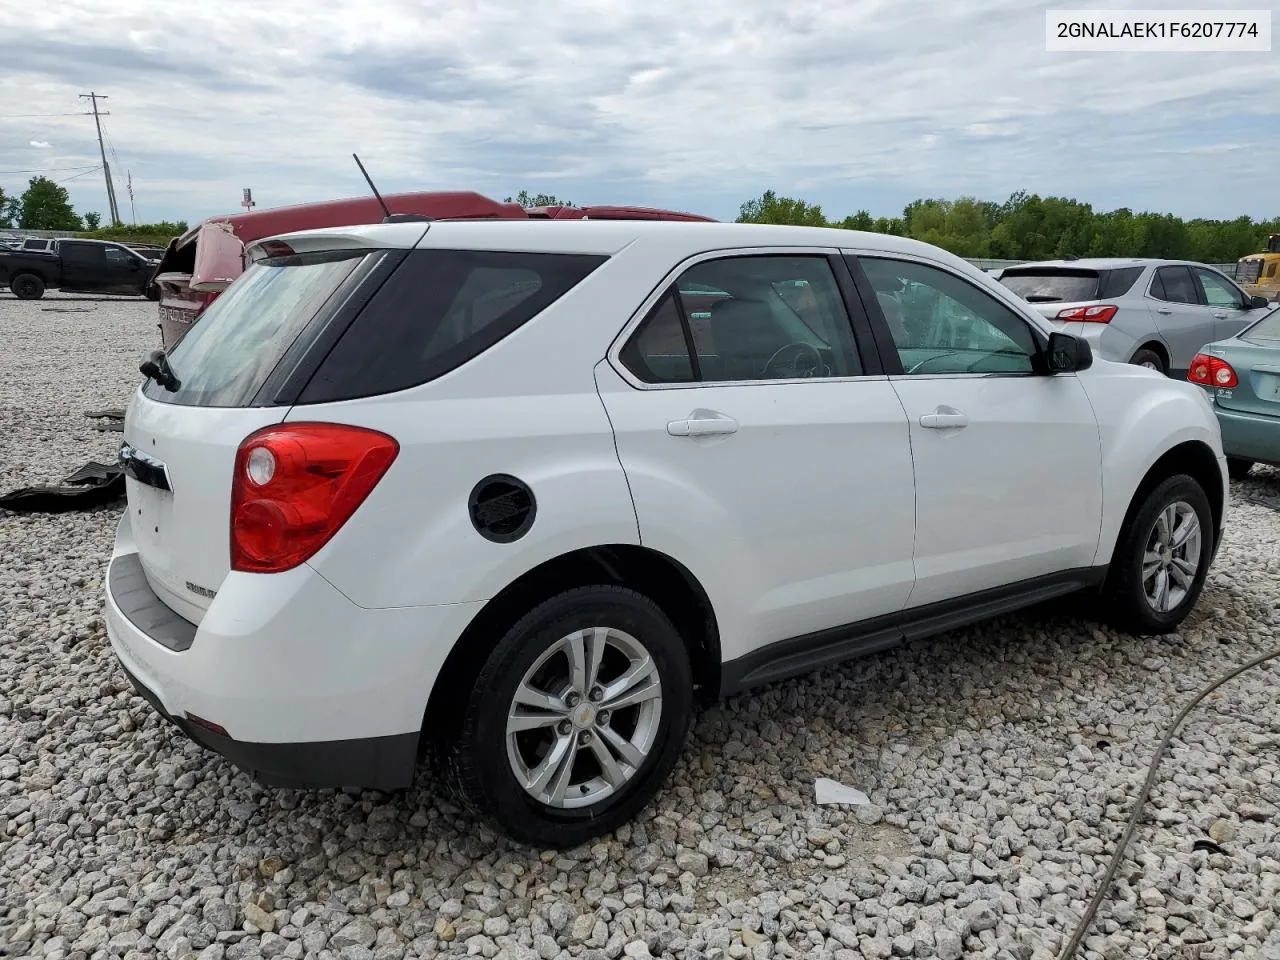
(1164, 310)
(944, 418)
(1219, 316)
(703, 423)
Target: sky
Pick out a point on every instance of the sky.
(700, 106)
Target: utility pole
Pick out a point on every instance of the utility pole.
(106, 169)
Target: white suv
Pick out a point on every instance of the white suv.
(521, 493)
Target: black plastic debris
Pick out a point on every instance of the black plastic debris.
(93, 485)
(1209, 846)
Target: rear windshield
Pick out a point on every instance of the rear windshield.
(439, 309)
(1052, 286)
(225, 358)
(1268, 328)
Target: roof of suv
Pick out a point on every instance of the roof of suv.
(610, 236)
(1100, 263)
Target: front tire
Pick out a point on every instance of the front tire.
(27, 286)
(1238, 469)
(575, 719)
(1162, 558)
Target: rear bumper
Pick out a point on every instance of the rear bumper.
(1249, 436)
(306, 688)
(379, 763)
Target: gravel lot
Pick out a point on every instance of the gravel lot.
(1000, 761)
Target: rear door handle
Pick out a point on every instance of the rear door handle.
(1164, 310)
(1219, 316)
(703, 423)
(944, 418)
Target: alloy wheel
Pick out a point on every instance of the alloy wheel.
(584, 718)
(1171, 557)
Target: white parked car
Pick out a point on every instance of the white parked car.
(522, 493)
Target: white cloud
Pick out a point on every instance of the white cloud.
(41, 144)
(697, 106)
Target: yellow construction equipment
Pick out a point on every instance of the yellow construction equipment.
(1267, 282)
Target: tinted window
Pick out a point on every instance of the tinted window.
(1218, 291)
(941, 323)
(224, 359)
(1052, 285)
(771, 318)
(748, 318)
(1116, 283)
(116, 255)
(438, 310)
(658, 352)
(83, 252)
(1175, 285)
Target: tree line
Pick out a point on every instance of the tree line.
(1024, 227)
(1030, 227)
(45, 205)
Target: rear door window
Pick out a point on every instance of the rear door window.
(225, 359)
(83, 252)
(1175, 285)
(747, 318)
(1052, 285)
(438, 310)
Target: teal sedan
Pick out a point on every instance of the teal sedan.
(1242, 377)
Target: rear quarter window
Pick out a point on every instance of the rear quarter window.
(439, 309)
(225, 358)
(1116, 283)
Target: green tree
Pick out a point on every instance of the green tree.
(771, 208)
(47, 206)
(92, 220)
(8, 209)
(862, 220)
(527, 199)
(1030, 227)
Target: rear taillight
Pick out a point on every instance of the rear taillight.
(1212, 372)
(205, 300)
(1095, 314)
(295, 485)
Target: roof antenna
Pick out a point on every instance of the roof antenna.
(388, 217)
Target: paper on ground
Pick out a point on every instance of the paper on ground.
(830, 791)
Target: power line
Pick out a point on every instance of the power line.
(35, 116)
(77, 176)
(52, 169)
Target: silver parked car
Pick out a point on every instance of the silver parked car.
(1155, 313)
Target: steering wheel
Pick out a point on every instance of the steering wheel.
(779, 368)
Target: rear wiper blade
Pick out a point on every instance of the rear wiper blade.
(156, 366)
(1041, 298)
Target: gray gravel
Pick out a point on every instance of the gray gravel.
(1000, 761)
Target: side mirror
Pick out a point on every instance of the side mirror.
(1258, 303)
(1067, 354)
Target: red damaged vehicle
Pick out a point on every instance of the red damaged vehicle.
(200, 264)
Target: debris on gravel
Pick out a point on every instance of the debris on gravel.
(1000, 761)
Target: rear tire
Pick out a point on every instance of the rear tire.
(1238, 469)
(27, 286)
(1149, 359)
(619, 737)
(1166, 544)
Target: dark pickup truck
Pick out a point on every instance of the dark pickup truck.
(77, 266)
